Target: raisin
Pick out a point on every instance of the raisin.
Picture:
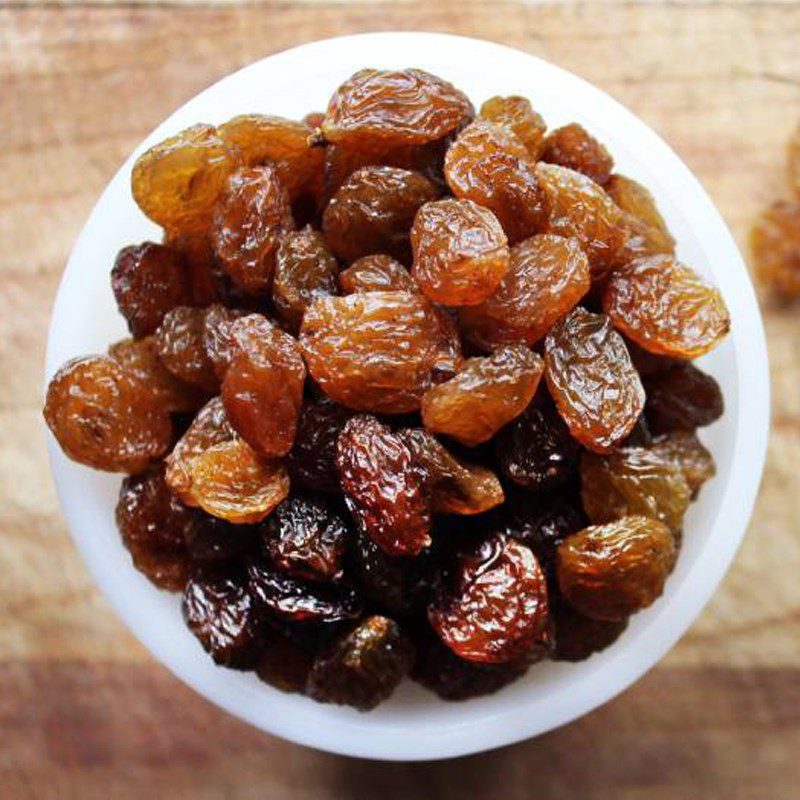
(218, 340)
(578, 207)
(493, 608)
(584, 358)
(640, 435)
(684, 450)
(219, 611)
(460, 252)
(648, 363)
(292, 599)
(140, 358)
(177, 181)
(394, 107)
(103, 416)
(577, 637)
(248, 223)
(516, 114)
(575, 148)
(262, 139)
(547, 278)
(362, 668)
(351, 346)
(180, 341)
(488, 164)
(609, 572)
(148, 280)
(307, 538)
(154, 526)
(194, 249)
(376, 273)
(283, 664)
(382, 487)
(373, 210)
(633, 482)
(267, 372)
(682, 398)
(311, 461)
(215, 540)
(231, 481)
(775, 245)
(455, 486)
(304, 269)
(666, 307)
(536, 450)
(649, 232)
(486, 394)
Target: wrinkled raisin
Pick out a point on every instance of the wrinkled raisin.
(215, 540)
(377, 273)
(685, 451)
(577, 637)
(649, 232)
(516, 113)
(180, 340)
(283, 664)
(575, 148)
(682, 398)
(218, 340)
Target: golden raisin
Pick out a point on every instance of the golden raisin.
(775, 243)
(377, 273)
(218, 340)
(686, 451)
(649, 232)
(575, 148)
(516, 113)
(180, 341)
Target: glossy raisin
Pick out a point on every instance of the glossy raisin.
(377, 273)
(283, 664)
(216, 540)
(197, 254)
(103, 416)
(517, 114)
(578, 637)
(575, 148)
(180, 340)
(686, 451)
(648, 230)
(218, 340)
(775, 245)
(682, 398)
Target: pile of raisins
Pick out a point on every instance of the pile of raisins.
(408, 391)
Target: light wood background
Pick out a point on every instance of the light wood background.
(84, 711)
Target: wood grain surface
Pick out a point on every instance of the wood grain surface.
(84, 711)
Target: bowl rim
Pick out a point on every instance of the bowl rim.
(374, 741)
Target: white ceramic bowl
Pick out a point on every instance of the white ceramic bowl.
(414, 724)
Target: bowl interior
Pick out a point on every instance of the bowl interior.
(414, 724)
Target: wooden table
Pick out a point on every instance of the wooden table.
(84, 711)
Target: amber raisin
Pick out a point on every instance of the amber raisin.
(686, 451)
(382, 486)
(460, 252)
(547, 277)
(455, 486)
(590, 376)
(608, 572)
(197, 254)
(516, 113)
(666, 307)
(649, 232)
(218, 341)
(775, 244)
(377, 273)
(575, 148)
(577, 637)
(103, 416)
(148, 280)
(351, 346)
(177, 181)
(249, 220)
(363, 667)
(180, 340)
(493, 608)
(682, 398)
(219, 611)
(373, 210)
(154, 526)
(307, 538)
(266, 373)
(648, 363)
(486, 394)
(488, 164)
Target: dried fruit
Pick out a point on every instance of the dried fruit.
(218, 341)
(686, 451)
(460, 252)
(486, 394)
(249, 220)
(649, 232)
(351, 346)
(633, 482)
(609, 572)
(304, 269)
(284, 664)
(488, 164)
(373, 210)
(517, 115)
(103, 416)
(154, 526)
(266, 373)
(578, 207)
(455, 486)
(307, 538)
(775, 244)
(177, 181)
(148, 280)
(215, 540)
(378, 273)
(682, 398)
(180, 341)
(219, 611)
(363, 667)
(394, 107)
(382, 486)
(547, 277)
(575, 148)
(536, 450)
(590, 376)
(194, 249)
(494, 608)
(666, 307)
(577, 637)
